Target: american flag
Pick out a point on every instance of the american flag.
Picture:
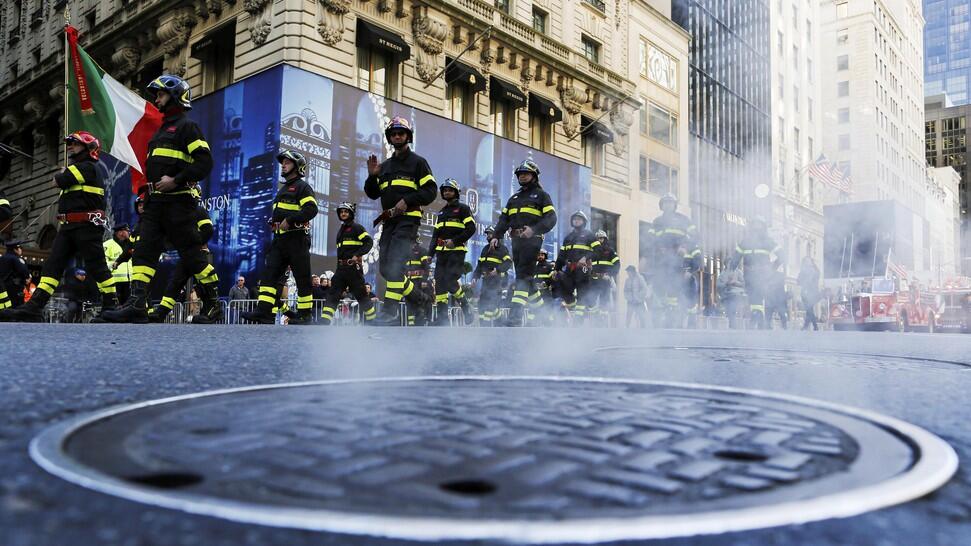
(896, 269)
(829, 173)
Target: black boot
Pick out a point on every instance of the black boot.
(135, 310)
(262, 315)
(302, 318)
(158, 313)
(515, 316)
(212, 309)
(28, 312)
(441, 314)
(466, 312)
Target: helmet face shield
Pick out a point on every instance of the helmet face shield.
(177, 88)
(296, 157)
(397, 124)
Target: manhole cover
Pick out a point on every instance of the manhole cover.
(776, 357)
(521, 459)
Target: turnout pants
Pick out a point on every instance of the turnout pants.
(524, 252)
(397, 237)
(351, 278)
(577, 291)
(489, 295)
(449, 266)
(290, 249)
(180, 276)
(755, 280)
(171, 218)
(82, 240)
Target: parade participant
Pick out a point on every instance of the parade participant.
(13, 276)
(669, 237)
(81, 215)
(494, 262)
(353, 242)
(178, 159)
(453, 228)
(404, 183)
(759, 256)
(528, 215)
(606, 267)
(541, 298)
(118, 252)
(181, 276)
(574, 264)
(293, 208)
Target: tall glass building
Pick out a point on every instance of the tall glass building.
(947, 49)
(729, 102)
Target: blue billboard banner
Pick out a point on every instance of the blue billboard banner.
(336, 127)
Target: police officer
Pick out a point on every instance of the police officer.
(670, 235)
(404, 183)
(574, 265)
(353, 242)
(81, 215)
(293, 208)
(453, 228)
(180, 276)
(117, 251)
(13, 276)
(606, 267)
(528, 215)
(494, 262)
(178, 158)
(759, 256)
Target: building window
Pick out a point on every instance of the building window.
(844, 142)
(502, 5)
(663, 125)
(377, 72)
(642, 172)
(809, 108)
(460, 102)
(782, 131)
(661, 178)
(539, 20)
(591, 49)
(782, 173)
(842, 10)
(607, 221)
(594, 154)
(809, 70)
(540, 132)
(781, 38)
(843, 62)
(795, 57)
(643, 116)
(846, 168)
(795, 140)
(795, 97)
(843, 89)
(809, 148)
(217, 51)
(843, 115)
(842, 36)
(599, 4)
(797, 178)
(503, 119)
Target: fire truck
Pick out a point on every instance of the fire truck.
(872, 306)
(955, 315)
(917, 310)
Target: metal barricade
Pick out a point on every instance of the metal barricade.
(236, 307)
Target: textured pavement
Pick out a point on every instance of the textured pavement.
(49, 373)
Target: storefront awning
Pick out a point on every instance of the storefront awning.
(461, 72)
(506, 92)
(370, 35)
(544, 107)
(596, 129)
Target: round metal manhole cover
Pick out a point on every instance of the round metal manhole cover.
(521, 459)
(774, 357)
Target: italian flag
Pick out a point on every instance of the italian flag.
(123, 121)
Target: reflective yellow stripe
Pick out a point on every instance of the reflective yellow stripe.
(413, 213)
(548, 208)
(286, 206)
(267, 299)
(363, 235)
(441, 248)
(306, 199)
(268, 290)
(426, 178)
(77, 174)
(575, 247)
(349, 243)
(4, 202)
(459, 225)
(308, 297)
(196, 144)
(86, 189)
(530, 210)
(393, 284)
(495, 260)
(143, 269)
(468, 219)
(201, 223)
(176, 154)
(167, 302)
(399, 182)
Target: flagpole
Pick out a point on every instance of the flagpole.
(67, 74)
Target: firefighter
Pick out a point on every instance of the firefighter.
(178, 158)
(759, 257)
(574, 265)
(417, 272)
(181, 276)
(691, 264)
(528, 215)
(13, 276)
(541, 298)
(606, 267)
(81, 215)
(117, 250)
(494, 262)
(353, 242)
(404, 183)
(453, 228)
(293, 208)
(669, 236)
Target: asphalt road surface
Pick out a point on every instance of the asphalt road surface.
(49, 373)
